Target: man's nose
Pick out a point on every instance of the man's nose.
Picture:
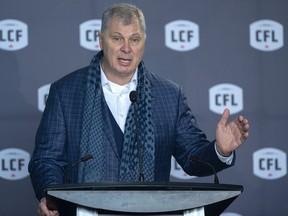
(126, 47)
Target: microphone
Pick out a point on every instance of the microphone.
(216, 179)
(68, 173)
(133, 98)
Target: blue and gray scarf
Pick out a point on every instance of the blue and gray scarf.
(92, 130)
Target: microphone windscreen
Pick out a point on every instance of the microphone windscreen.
(133, 96)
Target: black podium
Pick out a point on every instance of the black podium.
(146, 198)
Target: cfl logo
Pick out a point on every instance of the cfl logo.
(13, 35)
(43, 93)
(89, 34)
(266, 35)
(182, 35)
(269, 163)
(225, 96)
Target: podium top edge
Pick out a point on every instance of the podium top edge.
(145, 186)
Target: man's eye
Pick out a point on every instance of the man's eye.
(135, 40)
(116, 38)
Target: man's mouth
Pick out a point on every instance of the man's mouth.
(124, 61)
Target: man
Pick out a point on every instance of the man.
(89, 112)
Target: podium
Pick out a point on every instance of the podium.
(146, 198)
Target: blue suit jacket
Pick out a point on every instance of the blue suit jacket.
(59, 134)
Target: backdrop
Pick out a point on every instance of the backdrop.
(224, 53)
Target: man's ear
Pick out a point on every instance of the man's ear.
(100, 39)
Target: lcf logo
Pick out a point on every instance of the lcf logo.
(181, 35)
(13, 35)
(89, 37)
(225, 95)
(266, 35)
(14, 163)
(270, 163)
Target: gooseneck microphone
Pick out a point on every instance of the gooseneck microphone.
(68, 173)
(133, 98)
(216, 180)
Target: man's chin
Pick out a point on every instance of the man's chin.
(126, 70)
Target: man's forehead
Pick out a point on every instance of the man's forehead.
(117, 25)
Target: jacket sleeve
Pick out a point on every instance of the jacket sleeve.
(192, 141)
(47, 164)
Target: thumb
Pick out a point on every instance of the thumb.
(224, 118)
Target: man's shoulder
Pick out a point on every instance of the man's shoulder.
(69, 91)
(74, 77)
(72, 83)
(162, 82)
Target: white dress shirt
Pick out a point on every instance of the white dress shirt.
(117, 97)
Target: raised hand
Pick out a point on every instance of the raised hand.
(230, 135)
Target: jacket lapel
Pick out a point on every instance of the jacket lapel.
(108, 130)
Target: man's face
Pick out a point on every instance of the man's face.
(123, 47)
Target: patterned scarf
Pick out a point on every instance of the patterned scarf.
(92, 130)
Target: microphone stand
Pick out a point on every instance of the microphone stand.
(216, 179)
(133, 98)
(82, 159)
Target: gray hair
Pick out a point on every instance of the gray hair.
(127, 13)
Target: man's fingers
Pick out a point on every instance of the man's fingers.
(42, 208)
(243, 127)
(242, 124)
